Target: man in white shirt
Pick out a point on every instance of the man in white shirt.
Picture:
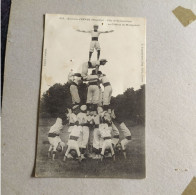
(93, 93)
(115, 132)
(107, 93)
(92, 65)
(54, 139)
(105, 132)
(74, 88)
(97, 140)
(94, 40)
(72, 118)
(83, 124)
(72, 144)
(127, 138)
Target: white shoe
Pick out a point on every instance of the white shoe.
(109, 155)
(90, 155)
(82, 156)
(69, 156)
(96, 157)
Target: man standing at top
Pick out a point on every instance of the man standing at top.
(94, 41)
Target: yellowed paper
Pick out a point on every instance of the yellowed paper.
(92, 104)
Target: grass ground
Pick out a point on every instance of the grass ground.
(132, 167)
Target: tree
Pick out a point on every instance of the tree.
(56, 100)
(129, 105)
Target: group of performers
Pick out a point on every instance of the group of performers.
(92, 131)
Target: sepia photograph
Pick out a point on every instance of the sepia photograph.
(91, 117)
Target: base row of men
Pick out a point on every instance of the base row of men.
(91, 135)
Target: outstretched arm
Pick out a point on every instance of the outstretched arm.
(85, 31)
(108, 31)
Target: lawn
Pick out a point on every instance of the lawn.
(132, 167)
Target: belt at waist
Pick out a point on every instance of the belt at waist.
(71, 124)
(106, 84)
(84, 124)
(106, 138)
(116, 136)
(96, 126)
(52, 134)
(94, 38)
(128, 137)
(93, 83)
(109, 124)
(73, 138)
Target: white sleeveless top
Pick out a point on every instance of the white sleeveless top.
(95, 34)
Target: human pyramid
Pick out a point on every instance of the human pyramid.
(92, 132)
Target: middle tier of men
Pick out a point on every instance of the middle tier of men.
(95, 96)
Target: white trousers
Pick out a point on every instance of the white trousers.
(54, 141)
(107, 144)
(84, 136)
(97, 139)
(72, 145)
(93, 94)
(94, 45)
(107, 94)
(124, 143)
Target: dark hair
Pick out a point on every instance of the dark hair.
(102, 62)
(76, 110)
(94, 72)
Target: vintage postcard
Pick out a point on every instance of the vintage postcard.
(92, 98)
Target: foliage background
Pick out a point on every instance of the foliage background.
(130, 105)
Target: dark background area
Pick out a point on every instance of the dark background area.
(5, 12)
(130, 105)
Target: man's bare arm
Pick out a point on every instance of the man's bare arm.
(85, 31)
(108, 31)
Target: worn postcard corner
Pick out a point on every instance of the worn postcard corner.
(185, 16)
